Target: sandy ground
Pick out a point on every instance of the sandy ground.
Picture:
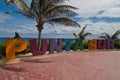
(80, 65)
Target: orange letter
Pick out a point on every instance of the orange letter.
(92, 44)
(13, 46)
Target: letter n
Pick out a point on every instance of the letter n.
(53, 45)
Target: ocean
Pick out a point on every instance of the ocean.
(3, 39)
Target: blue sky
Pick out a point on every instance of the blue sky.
(100, 16)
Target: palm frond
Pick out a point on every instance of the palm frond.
(107, 35)
(104, 37)
(61, 10)
(38, 7)
(43, 5)
(28, 15)
(75, 35)
(83, 30)
(20, 4)
(59, 7)
(34, 7)
(57, 1)
(115, 38)
(86, 34)
(62, 13)
(64, 21)
(116, 33)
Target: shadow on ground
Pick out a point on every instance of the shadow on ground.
(36, 61)
(11, 68)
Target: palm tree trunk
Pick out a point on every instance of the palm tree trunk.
(39, 39)
(39, 27)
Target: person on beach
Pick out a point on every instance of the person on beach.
(17, 35)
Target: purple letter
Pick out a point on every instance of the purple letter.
(53, 45)
(33, 47)
(110, 44)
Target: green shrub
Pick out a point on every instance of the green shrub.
(27, 50)
(117, 44)
(72, 45)
(2, 49)
(85, 44)
(63, 45)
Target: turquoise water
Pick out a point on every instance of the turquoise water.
(3, 40)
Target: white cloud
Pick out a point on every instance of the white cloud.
(90, 8)
(112, 13)
(4, 17)
(101, 27)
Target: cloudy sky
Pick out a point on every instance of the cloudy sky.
(100, 16)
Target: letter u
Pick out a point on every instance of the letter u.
(33, 47)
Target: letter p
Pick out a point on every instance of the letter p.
(13, 46)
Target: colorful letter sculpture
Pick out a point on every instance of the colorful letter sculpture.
(92, 44)
(101, 44)
(18, 45)
(13, 46)
(68, 41)
(78, 44)
(33, 47)
(110, 44)
(53, 45)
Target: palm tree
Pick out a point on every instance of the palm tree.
(82, 34)
(111, 37)
(46, 11)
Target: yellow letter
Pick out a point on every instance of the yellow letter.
(13, 46)
(92, 44)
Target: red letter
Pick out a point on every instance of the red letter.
(101, 44)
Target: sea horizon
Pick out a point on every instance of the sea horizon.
(47, 36)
